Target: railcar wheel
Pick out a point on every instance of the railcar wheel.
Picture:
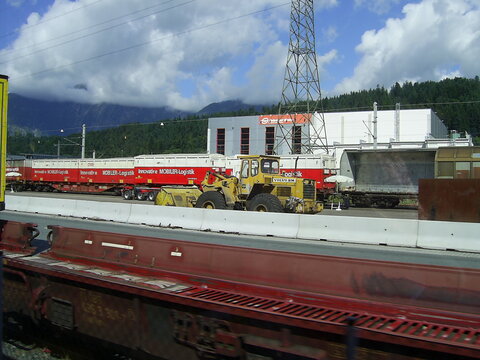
(151, 196)
(211, 200)
(265, 202)
(393, 203)
(127, 194)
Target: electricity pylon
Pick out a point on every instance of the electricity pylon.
(301, 122)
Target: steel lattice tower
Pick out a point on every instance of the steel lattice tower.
(301, 88)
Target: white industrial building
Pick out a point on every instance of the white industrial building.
(392, 126)
(415, 128)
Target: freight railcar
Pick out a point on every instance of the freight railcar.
(156, 298)
(457, 163)
(141, 176)
(388, 176)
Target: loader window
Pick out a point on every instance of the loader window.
(244, 172)
(254, 167)
(270, 167)
(462, 170)
(445, 170)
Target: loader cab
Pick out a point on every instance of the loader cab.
(256, 170)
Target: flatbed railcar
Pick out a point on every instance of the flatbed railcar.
(141, 176)
(154, 298)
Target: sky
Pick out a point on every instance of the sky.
(186, 54)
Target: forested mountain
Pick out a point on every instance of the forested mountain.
(229, 106)
(46, 117)
(456, 101)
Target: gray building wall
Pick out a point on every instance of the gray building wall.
(342, 128)
(233, 126)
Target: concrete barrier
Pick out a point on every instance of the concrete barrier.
(186, 218)
(44, 205)
(395, 232)
(102, 211)
(143, 214)
(166, 216)
(252, 223)
(17, 203)
(57, 206)
(442, 235)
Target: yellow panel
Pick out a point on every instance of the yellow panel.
(3, 135)
(464, 152)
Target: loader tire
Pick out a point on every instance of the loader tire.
(265, 202)
(211, 200)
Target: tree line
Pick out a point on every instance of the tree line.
(456, 102)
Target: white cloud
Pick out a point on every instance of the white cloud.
(185, 62)
(377, 6)
(327, 4)
(433, 39)
(15, 3)
(330, 34)
(18, 3)
(326, 59)
(266, 74)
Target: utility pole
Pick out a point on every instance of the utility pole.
(71, 142)
(301, 122)
(375, 125)
(83, 141)
(397, 122)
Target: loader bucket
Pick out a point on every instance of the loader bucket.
(177, 196)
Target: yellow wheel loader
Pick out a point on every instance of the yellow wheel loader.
(259, 187)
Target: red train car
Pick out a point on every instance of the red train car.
(164, 298)
(141, 176)
(18, 171)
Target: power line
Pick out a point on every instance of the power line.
(96, 32)
(88, 27)
(50, 19)
(131, 124)
(444, 103)
(188, 31)
(358, 108)
(167, 121)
